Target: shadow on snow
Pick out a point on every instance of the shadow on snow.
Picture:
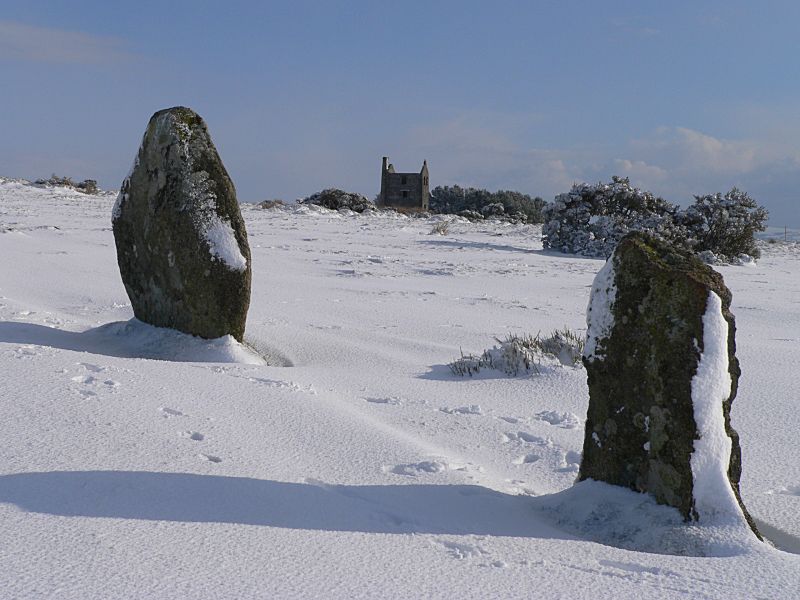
(193, 498)
(587, 511)
(135, 339)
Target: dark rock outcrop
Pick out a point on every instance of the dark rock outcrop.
(181, 241)
(662, 371)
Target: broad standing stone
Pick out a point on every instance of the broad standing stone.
(662, 370)
(181, 242)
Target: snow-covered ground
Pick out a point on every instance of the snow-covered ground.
(354, 464)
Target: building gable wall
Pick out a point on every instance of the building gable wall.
(404, 190)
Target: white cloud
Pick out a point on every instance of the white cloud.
(641, 171)
(482, 150)
(694, 149)
(19, 41)
(698, 163)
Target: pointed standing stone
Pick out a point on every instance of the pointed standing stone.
(181, 241)
(662, 371)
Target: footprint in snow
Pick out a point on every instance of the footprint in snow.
(512, 420)
(425, 466)
(571, 462)
(392, 400)
(527, 459)
(527, 438)
(87, 382)
(793, 490)
(461, 550)
(283, 385)
(170, 412)
(567, 420)
(431, 467)
(26, 352)
(473, 409)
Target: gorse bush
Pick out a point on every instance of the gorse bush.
(591, 219)
(336, 199)
(725, 224)
(478, 203)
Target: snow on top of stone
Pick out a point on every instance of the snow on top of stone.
(711, 386)
(599, 314)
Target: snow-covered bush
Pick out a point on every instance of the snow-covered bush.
(725, 225)
(471, 215)
(467, 364)
(336, 199)
(496, 209)
(477, 203)
(591, 219)
(564, 344)
(87, 186)
(267, 204)
(440, 228)
(524, 354)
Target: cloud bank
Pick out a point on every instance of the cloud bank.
(21, 42)
(673, 162)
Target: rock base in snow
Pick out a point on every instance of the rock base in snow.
(646, 339)
(181, 241)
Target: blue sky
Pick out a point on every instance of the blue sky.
(683, 97)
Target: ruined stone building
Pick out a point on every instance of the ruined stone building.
(403, 190)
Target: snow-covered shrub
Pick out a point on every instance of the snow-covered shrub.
(496, 209)
(591, 219)
(441, 228)
(87, 186)
(524, 354)
(467, 364)
(725, 225)
(503, 204)
(271, 204)
(472, 215)
(564, 344)
(336, 199)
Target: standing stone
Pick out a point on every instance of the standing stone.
(181, 242)
(662, 370)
